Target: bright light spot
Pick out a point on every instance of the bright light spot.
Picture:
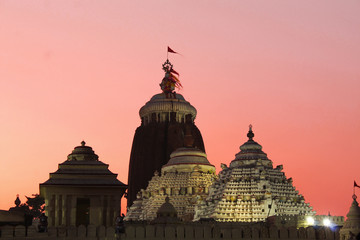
(310, 220)
(326, 222)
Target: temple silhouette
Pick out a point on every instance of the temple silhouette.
(173, 190)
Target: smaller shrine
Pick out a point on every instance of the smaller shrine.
(351, 228)
(251, 190)
(166, 214)
(82, 191)
(15, 215)
(184, 180)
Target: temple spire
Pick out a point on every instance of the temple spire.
(250, 134)
(170, 81)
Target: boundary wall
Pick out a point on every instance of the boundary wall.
(136, 231)
(218, 231)
(90, 232)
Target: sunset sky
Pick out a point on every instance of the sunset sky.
(80, 70)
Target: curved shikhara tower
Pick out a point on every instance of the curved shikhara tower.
(164, 121)
(250, 190)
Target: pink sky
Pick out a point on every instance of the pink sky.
(81, 70)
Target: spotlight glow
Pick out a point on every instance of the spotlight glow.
(326, 222)
(310, 220)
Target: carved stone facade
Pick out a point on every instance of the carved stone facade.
(83, 191)
(251, 190)
(185, 179)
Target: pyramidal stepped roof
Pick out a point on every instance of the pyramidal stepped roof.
(250, 189)
(251, 154)
(83, 167)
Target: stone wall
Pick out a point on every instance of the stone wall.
(56, 233)
(226, 231)
(209, 230)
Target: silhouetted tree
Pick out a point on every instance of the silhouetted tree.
(35, 205)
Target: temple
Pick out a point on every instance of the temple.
(184, 180)
(174, 191)
(251, 190)
(168, 162)
(164, 119)
(83, 191)
(351, 228)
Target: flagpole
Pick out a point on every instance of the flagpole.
(355, 185)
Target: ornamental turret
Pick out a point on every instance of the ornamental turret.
(351, 228)
(251, 154)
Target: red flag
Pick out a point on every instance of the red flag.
(174, 77)
(355, 185)
(171, 51)
(173, 71)
(176, 81)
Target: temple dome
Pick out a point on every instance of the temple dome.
(167, 209)
(251, 153)
(163, 96)
(161, 105)
(187, 155)
(188, 159)
(82, 153)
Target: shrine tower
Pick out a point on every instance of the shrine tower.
(184, 180)
(164, 119)
(251, 190)
(83, 191)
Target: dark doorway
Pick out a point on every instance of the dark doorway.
(82, 211)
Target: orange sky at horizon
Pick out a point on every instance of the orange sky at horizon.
(81, 70)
